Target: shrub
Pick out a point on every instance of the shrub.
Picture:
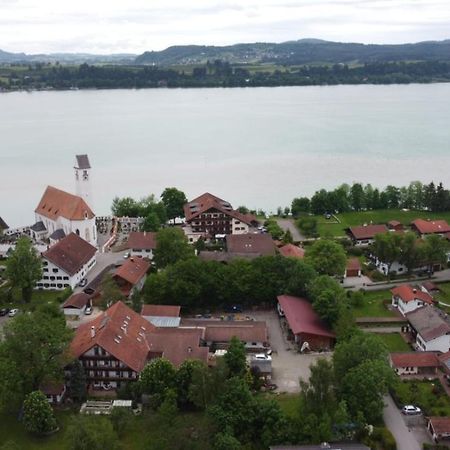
(38, 414)
(354, 251)
(381, 439)
(377, 276)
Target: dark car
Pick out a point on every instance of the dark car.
(89, 291)
(234, 309)
(4, 311)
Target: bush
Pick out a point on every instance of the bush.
(377, 276)
(38, 414)
(434, 447)
(381, 439)
(354, 251)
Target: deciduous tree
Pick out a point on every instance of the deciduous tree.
(38, 417)
(173, 200)
(171, 246)
(327, 257)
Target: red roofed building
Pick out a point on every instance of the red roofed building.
(292, 251)
(395, 225)
(424, 227)
(439, 428)
(59, 210)
(66, 263)
(212, 215)
(115, 346)
(304, 324)
(142, 243)
(353, 268)
(415, 363)
(131, 275)
(408, 298)
(365, 235)
(162, 315)
(76, 304)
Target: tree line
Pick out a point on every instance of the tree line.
(217, 74)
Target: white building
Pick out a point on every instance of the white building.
(142, 243)
(408, 298)
(66, 263)
(59, 210)
(83, 179)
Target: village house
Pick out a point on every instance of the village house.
(426, 227)
(430, 288)
(214, 216)
(304, 325)
(66, 263)
(142, 243)
(162, 315)
(115, 346)
(55, 392)
(131, 275)
(430, 328)
(353, 268)
(66, 213)
(415, 363)
(439, 428)
(395, 225)
(407, 298)
(364, 235)
(292, 251)
(76, 304)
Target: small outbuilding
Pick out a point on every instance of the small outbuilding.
(415, 363)
(353, 268)
(439, 428)
(76, 304)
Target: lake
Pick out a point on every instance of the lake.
(258, 147)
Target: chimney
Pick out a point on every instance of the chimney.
(415, 291)
(92, 332)
(145, 233)
(189, 349)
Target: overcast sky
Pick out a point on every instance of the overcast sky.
(113, 26)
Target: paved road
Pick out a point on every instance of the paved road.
(409, 432)
(288, 224)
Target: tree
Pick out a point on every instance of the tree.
(300, 205)
(24, 268)
(226, 441)
(157, 378)
(171, 246)
(307, 225)
(273, 228)
(38, 415)
(434, 251)
(78, 391)
(174, 201)
(125, 207)
(410, 253)
(287, 238)
(235, 358)
(184, 377)
(168, 409)
(327, 257)
(357, 197)
(387, 248)
(34, 350)
(111, 292)
(91, 433)
(121, 419)
(151, 222)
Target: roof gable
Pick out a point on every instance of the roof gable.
(367, 231)
(251, 243)
(431, 226)
(292, 251)
(408, 294)
(132, 270)
(142, 240)
(429, 322)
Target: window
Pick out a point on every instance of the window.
(45, 269)
(55, 270)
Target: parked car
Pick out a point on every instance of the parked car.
(126, 255)
(4, 311)
(89, 291)
(13, 312)
(83, 282)
(88, 311)
(411, 410)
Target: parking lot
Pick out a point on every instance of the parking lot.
(287, 364)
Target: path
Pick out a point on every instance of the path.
(288, 224)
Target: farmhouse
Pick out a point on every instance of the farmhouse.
(408, 298)
(304, 325)
(426, 227)
(131, 275)
(212, 215)
(415, 363)
(365, 235)
(66, 263)
(142, 243)
(430, 329)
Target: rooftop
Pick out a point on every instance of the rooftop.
(441, 425)
(431, 226)
(415, 359)
(142, 240)
(292, 251)
(77, 300)
(82, 162)
(132, 270)
(251, 243)
(367, 231)
(161, 310)
(409, 293)
(429, 322)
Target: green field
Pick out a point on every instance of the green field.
(373, 305)
(39, 297)
(350, 219)
(394, 342)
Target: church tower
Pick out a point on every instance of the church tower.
(83, 179)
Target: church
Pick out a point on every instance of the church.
(60, 213)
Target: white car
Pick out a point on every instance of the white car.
(411, 410)
(88, 311)
(13, 312)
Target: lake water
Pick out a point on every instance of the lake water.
(259, 147)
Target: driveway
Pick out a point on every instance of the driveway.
(288, 224)
(3, 321)
(409, 431)
(287, 365)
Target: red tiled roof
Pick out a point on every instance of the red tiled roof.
(353, 264)
(301, 316)
(77, 300)
(415, 359)
(132, 270)
(142, 240)
(261, 244)
(55, 203)
(292, 251)
(394, 223)
(70, 253)
(441, 425)
(444, 357)
(408, 294)
(161, 310)
(431, 226)
(367, 232)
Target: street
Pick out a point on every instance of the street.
(288, 224)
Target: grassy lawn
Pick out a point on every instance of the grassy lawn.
(39, 297)
(380, 216)
(394, 342)
(289, 403)
(428, 395)
(373, 305)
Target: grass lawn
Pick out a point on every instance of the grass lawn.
(428, 395)
(289, 403)
(394, 342)
(350, 219)
(373, 305)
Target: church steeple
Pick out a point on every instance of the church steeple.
(82, 178)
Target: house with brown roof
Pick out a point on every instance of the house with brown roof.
(142, 243)
(304, 325)
(430, 327)
(131, 275)
(415, 363)
(395, 225)
(353, 268)
(439, 428)
(115, 346)
(76, 304)
(254, 244)
(59, 210)
(426, 227)
(364, 235)
(407, 298)
(292, 251)
(66, 263)
(162, 315)
(212, 215)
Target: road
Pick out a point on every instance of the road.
(408, 437)
(288, 224)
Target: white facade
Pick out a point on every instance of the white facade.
(83, 185)
(143, 253)
(407, 307)
(439, 344)
(56, 278)
(238, 227)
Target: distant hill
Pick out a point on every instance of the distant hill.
(304, 51)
